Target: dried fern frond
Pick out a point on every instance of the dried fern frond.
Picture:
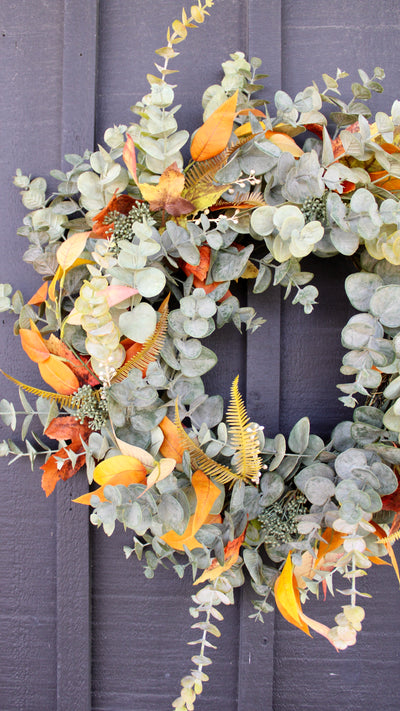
(392, 538)
(243, 437)
(200, 188)
(63, 400)
(151, 347)
(199, 459)
(243, 201)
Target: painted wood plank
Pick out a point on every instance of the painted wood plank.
(256, 654)
(30, 76)
(318, 37)
(73, 574)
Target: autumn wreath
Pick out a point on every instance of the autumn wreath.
(137, 257)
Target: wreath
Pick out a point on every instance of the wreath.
(138, 258)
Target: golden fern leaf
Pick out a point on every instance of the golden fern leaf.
(200, 188)
(392, 538)
(151, 347)
(243, 437)
(243, 201)
(62, 400)
(199, 459)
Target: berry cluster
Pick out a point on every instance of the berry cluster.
(279, 521)
(314, 209)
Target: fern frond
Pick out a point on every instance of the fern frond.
(392, 538)
(151, 347)
(243, 201)
(62, 400)
(200, 188)
(243, 437)
(199, 459)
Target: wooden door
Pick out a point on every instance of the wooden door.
(82, 629)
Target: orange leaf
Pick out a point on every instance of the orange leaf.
(206, 494)
(381, 534)
(118, 203)
(171, 446)
(70, 250)
(34, 346)
(200, 270)
(52, 473)
(231, 554)
(284, 142)
(332, 540)
(64, 428)
(287, 596)
(121, 469)
(167, 194)
(58, 348)
(129, 157)
(58, 375)
(40, 295)
(213, 136)
(68, 427)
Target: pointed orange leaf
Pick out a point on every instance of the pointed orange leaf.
(171, 446)
(206, 494)
(331, 541)
(34, 346)
(166, 195)
(58, 375)
(121, 469)
(231, 554)
(58, 348)
(71, 249)
(213, 136)
(129, 157)
(40, 295)
(287, 596)
(200, 270)
(381, 534)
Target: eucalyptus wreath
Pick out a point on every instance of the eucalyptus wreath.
(137, 257)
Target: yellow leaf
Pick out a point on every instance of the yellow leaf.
(287, 597)
(167, 194)
(213, 136)
(250, 272)
(179, 28)
(130, 450)
(121, 469)
(243, 438)
(231, 554)
(206, 495)
(162, 469)
(70, 250)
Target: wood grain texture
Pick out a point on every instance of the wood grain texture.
(140, 628)
(30, 74)
(73, 573)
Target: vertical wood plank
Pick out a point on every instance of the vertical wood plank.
(73, 581)
(256, 653)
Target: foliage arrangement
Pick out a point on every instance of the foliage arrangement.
(137, 257)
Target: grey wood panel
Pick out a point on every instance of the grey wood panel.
(309, 674)
(30, 71)
(73, 574)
